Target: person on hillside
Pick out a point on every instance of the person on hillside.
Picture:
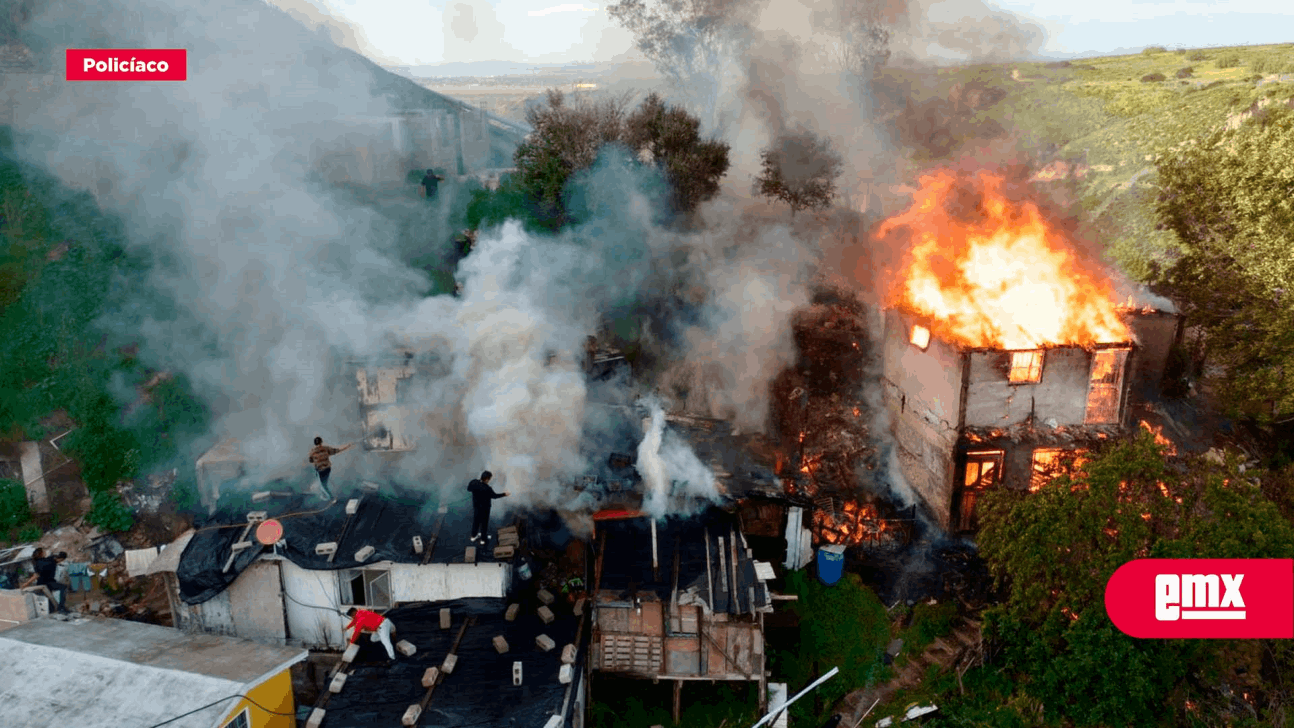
(362, 620)
(482, 498)
(46, 570)
(320, 458)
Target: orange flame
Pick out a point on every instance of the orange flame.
(1169, 448)
(992, 272)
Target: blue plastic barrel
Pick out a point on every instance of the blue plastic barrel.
(831, 564)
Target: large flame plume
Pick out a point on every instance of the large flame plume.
(992, 272)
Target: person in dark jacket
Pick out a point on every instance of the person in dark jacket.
(46, 568)
(431, 183)
(482, 498)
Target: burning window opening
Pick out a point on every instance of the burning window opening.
(921, 337)
(1026, 367)
(1105, 387)
(983, 471)
(1050, 462)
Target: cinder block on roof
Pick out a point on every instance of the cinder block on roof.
(446, 618)
(545, 643)
(241, 546)
(579, 606)
(509, 539)
(316, 718)
(364, 553)
(500, 644)
(451, 661)
(349, 655)
(338, 682)
(429, 677)
(516, 673)
(405, 647)
(507, 529)
(568, 655)
(369, 486)
(504, 552)
(545, 596)
(352, 506)
(417, 545)
(261, 496)
(511, 614)
(547, 615)
(257, 516)
(469, 556)
(566, 674)
(411, 715)
(323, 549)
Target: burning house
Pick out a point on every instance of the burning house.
(1002, 349)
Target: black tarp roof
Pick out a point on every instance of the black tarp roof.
(387, 521)
(627, 560)
(480, 691)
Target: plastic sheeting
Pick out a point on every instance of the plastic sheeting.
(387, 521)
(480, 691)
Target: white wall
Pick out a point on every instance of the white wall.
(440, 582)
(312, 602)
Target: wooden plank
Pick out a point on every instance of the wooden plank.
(435, 536)
(426, 698)
(344, 529)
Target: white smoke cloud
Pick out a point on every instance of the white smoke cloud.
(675, 479)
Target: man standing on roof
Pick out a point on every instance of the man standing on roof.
(320, 458)
(365, 621)
(482, 498)
(431, 182)
(46, 568)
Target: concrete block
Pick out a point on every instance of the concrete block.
(511, 614)
(417, 545)
(262, 496)
(504, 552)
(442, 510)
(579, 606)
(352, 506)
(546, 596)
(241, 546)
(566, 674)
(507, 530)
(547, 615)
(257, 516)
(16, 607)
(316, 718)
(500, 644)
(369, 486)
(410, 716)
(568, 655)
(447, 667)
(364, 553)
(445, 618)
(516, 673)
(349, 655)
(545, 643)
(512, 541)
(406, 648)
(338, 682)
(469, 556)
(324, 549)
(429, 677)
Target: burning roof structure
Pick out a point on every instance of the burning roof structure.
(1002, 345)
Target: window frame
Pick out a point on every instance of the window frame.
(345, 581)
(1033, 370)
(245, 715)
(925, 335)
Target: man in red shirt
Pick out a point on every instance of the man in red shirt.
(365, 621)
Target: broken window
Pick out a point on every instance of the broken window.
(1105, 390)
(1051, 462)
(920, 337)
(365, 588)
(1026, 367)
(983, 470)
(242, 720)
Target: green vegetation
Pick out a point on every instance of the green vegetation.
(638, 703)
(14, 510)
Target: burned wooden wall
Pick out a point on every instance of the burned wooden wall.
(650, 640)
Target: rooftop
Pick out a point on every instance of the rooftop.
(479, 692)
(105, 673)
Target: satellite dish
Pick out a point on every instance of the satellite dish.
(269, 532)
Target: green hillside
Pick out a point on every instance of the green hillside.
(1115, 117)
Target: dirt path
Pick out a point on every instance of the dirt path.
(948, 653)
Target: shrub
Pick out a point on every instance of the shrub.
(1185, 72)
(1197, 56)
(1255, 78)
(30, 533)
(14, 510)
(1152, 50)
(1229, 61)
(1152, 77)
(1261, 65)
(109, 513)
(1181, 51)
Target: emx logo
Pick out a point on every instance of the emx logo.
(1203, 598)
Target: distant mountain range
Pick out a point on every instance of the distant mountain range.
(496, 68)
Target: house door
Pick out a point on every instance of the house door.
(256, 603)
(983, 471)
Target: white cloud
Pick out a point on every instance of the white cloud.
(568, 8)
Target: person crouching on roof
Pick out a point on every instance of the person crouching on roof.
(319, 457)
(482, 497)
(365, 621)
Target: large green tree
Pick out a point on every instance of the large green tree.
(1230, 200)
(1054, 550)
